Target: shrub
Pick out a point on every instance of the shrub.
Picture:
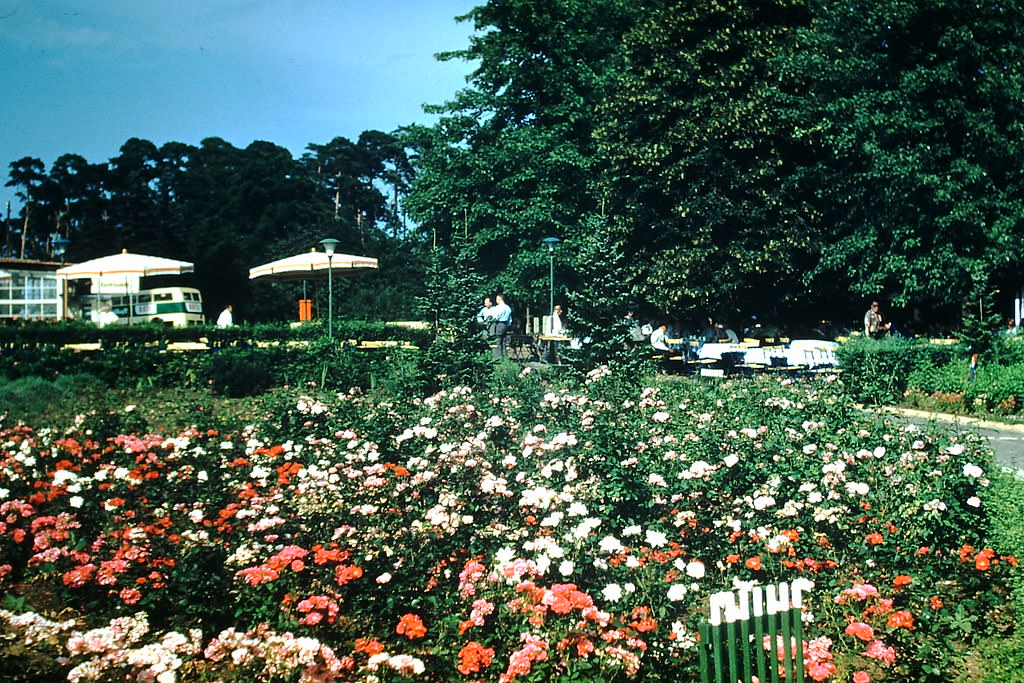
(40, 401)
(572, 531)
(879, 371)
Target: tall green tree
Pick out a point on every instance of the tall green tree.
(513, 159)
(240, 208)
(80, 204)
(27, 176)
(700, 158)
(914, 108)
(134, 213)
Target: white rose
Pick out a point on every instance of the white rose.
(656, 539)
(695, 569)
(677, 592)
(612, 592)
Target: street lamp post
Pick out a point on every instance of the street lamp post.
(329, 246)
(551, 242)
(60, 247)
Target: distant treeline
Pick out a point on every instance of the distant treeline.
(227, 210)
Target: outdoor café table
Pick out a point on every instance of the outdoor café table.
(716, 349)
(800, 353)
(550, 342)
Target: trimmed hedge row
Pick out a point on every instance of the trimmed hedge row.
(31, 334)
(877, 371)
(228, 371)
(921, 374)
(236, 363)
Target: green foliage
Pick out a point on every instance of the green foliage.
(239, 361)
(240, 373)
(996, 389)
(454, 288)
(598, 306)
(909, 109)
(40, 401)
(878, 371)
(458, 357)
(512, 159)
(1002, 659)
(196, 202)
(980, 326)
(701, 155)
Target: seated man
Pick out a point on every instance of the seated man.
(726, 334)
(659, 343)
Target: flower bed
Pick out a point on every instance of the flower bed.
(557, 532)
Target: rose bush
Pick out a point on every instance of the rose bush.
(573, 531)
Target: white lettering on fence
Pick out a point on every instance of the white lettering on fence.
(773, 599)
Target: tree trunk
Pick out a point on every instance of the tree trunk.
(24, 230)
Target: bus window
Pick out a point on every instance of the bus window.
(162, 296)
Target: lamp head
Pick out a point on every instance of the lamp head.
(60, 245)
(329, 245)
(551, 242)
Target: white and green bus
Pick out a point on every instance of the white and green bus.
(174, 306)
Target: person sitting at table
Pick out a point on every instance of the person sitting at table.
(710, 334)
(659, 343)
(726, 334)
(634, 333)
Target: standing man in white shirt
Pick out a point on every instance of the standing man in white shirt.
(106, 317)
(226, 317)
(502, 322)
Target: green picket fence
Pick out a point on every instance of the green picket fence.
(732, 641)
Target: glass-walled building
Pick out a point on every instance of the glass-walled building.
(29, 290)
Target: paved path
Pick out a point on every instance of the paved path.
(1007, 441)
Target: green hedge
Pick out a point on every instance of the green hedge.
(34, 334)
(879, 371)
(921, 374)
(228, 371)
(237, 362)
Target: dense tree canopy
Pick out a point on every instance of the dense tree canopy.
(914, 111)
(726, 158)
(513, 159)
(700, 157)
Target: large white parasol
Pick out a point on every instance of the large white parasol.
(124, 265)
(313, 265)
(123, 270)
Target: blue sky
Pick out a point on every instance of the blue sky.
(83, 76)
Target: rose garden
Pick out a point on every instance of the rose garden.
(555, 527)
